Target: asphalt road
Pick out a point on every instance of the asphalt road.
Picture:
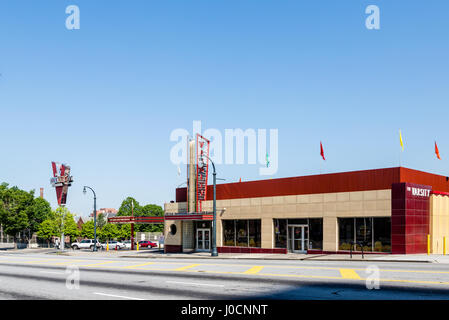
(45, 276)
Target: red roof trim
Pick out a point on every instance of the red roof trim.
(364, 180)
(440, 193)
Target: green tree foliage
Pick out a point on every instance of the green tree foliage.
(47, 229)
(15, 205)
(109, 231)
(69, 226)
(101, 221)
(149, 210)
(39, 211)
(87, 230)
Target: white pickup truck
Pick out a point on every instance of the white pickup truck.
(85, 244)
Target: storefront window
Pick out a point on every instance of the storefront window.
(280, 233)
(382, 234)
(315, 233)
(254, 233)
(364, 233)
(229, 232)
(373, 233)
(345, 233)
(242, 233)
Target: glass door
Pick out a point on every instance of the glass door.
(203, 239)
(298, 238)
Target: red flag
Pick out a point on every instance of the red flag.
(322, 151)
(240, 180)
(437, 152)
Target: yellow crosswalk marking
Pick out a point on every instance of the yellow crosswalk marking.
(187, 267)
(254, 270)
(349, 274)
(97, 264)
(137, 265)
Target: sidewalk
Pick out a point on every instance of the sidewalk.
(415, 258)
(146, 254)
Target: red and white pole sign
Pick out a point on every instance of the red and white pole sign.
(202, 169)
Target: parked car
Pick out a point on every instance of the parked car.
(113, 244)
(146, 244)
(127, 244)
(84, 244)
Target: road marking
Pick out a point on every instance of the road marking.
(196, 284)
(52, 272)
(254, 270)
(116, 296)
(137, 265)
(187, 267)
(349, 274)
(97, 264)
(42, 260)
(67, 262)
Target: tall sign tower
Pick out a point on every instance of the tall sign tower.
(61, 181)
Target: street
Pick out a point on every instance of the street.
(45, 276)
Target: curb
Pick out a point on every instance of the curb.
(281, 259)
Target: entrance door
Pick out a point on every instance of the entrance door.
(298, 238)
(202, 239)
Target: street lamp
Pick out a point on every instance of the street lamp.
(214, 222)
(95, 215)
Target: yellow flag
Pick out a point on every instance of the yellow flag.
(400, 139)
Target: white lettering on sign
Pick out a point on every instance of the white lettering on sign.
(420, 192)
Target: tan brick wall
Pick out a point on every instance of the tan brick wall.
(439, 223)
(329, 206)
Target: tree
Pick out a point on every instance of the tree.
(151, 210)
(62, 214)
(87, 230)
(14, 207)
(39, 211)
(101, 221)
(109, 231)
(47, 229)
(126, 207)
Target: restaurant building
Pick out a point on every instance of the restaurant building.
(392, 210)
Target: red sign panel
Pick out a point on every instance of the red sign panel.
(202, 149)
(61, 180)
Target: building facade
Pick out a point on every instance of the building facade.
(393, 210)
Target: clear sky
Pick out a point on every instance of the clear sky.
(104, 99)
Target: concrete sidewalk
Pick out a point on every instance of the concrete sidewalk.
(152, 254)
(415, 258)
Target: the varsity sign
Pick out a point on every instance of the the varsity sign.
(61, 181)
(419, 192)
(202, 148)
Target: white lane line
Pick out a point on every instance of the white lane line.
(51, 272)
(196, 284)
(116, 296)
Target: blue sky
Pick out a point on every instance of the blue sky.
(105, 98)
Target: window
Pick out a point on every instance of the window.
(280, 233)
(228, 233)
(254, 233)
(345, 233)
(373, 233)
(242, 233)
(315, 233)
(364, 233)
(173, 229)
(382, 234)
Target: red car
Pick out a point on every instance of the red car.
(146, 244)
